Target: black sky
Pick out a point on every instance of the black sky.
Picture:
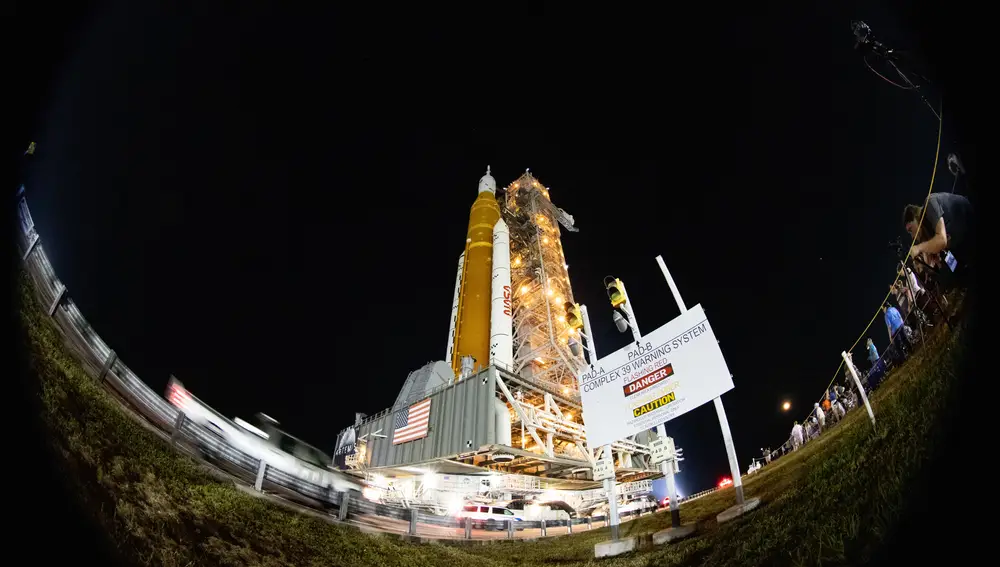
(269, 205)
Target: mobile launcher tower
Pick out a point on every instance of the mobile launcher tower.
(503, 405)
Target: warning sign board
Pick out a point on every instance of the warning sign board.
(604, 467)
(671, 371)
(658, 450)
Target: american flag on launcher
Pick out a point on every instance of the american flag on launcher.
(410, 424)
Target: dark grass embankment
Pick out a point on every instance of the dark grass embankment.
(833, 502)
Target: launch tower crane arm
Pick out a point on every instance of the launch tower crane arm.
(562, 216)
(566, 220)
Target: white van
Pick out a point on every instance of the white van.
(536, 512)
(481, 514)
(642, 504)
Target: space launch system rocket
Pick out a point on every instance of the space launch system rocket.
(481, 310)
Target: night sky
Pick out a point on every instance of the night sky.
(269, 205)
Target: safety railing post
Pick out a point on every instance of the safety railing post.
(590, 523)
(413, 521)
(31, 247)
(468, 527)
(261, 470)
(57, 300)
(345, 503)
(543, 528)
(510, 529)
(112, 357)
(178, 424)
(569, 524)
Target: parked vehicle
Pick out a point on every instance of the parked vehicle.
(640, 504)
(486, 517)
(533, 510)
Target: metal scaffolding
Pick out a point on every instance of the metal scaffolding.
(540, 282)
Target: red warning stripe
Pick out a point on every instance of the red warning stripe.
(648, 380)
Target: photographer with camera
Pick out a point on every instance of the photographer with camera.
(943, 239)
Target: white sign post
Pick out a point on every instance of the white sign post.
(605, 468)
(861, 389)
(727, 435)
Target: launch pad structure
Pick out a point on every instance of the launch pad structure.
(541, 287)
(517, 420)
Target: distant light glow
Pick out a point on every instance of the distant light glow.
(429, 480)
(371, 493)
(786, 406)
(566, 391)
(524, 289)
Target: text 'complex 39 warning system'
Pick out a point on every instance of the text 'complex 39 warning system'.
(673, 370)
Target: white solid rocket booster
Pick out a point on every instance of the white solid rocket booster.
(501, 322)
(454, 310)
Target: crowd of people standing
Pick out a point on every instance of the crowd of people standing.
(941, 258)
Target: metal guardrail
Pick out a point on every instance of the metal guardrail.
(101, 362)
(699, 494)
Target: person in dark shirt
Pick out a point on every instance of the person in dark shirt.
(948, 224)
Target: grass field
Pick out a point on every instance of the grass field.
(833, 502)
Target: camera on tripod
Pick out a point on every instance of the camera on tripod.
(861, 32)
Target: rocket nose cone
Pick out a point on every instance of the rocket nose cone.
(500, 226)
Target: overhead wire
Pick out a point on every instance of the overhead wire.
(886, 79)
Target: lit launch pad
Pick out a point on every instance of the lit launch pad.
(504, 400)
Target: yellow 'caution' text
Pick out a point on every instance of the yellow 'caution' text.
(655, 404)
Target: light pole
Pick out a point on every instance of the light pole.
(605, 451)
(666, 467)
